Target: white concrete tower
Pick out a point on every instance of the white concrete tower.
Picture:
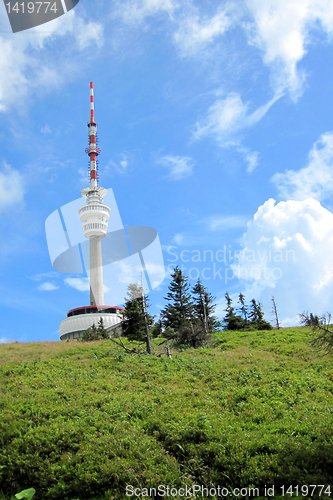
(94, 215)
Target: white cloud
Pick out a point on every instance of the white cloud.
(281, 30)
(313, 181)
(178, 238)
(28, 63)
(135, 11)
(196, 32)
(11, 187)
(287, 252)
(122, 165)
(80, 284)
(47, 287)
(180, 166)
(252, 160)
(46, 129)
(229, 115)
(221, 222)
(4, 340)
(41, 276)
(88, 34)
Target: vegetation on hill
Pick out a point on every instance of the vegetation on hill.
(250, 318)
(83, 420)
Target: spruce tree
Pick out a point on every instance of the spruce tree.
(257, 316)
(243, 308)
(204, 308)
(231, 321)
(101, 331)
(134, 323)
(178, 312)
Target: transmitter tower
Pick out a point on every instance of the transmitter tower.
(94, 215)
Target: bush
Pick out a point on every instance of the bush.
(93, 333)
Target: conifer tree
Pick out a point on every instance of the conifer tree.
(204, 308)
(134, 324)
(178, 312)
(257, 316)
(243, 308)
(101, 331)
(231, 321)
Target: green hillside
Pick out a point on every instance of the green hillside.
(82, 421)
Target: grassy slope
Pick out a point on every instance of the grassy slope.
(80, 421)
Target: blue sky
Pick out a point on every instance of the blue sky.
(216, 128)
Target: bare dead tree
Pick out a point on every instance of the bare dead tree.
(276, 314)
(148, 346)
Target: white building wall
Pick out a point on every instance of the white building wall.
(81, 322)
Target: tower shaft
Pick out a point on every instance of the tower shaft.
(96, 272)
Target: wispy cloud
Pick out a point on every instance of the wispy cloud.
(46, 129)
(121, 165)
(11, 187)
(28, 63)
(196, 32)
(222, 222)
(179, 167)
(229, 115)
(135, 11)
(42, 276)
(313, 181)
(47, 287)
(252, 160)
(80, 284)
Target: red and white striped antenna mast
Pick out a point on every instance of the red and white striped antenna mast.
(92, 150)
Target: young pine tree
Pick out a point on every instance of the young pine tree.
(178, 312)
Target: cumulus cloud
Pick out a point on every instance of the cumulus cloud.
(11, 187)
(179, 167)
(229, 115)
(287, 251)
(313, 181)
(47, 287)
(281, 30)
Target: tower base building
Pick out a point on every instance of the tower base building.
(81, 318)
